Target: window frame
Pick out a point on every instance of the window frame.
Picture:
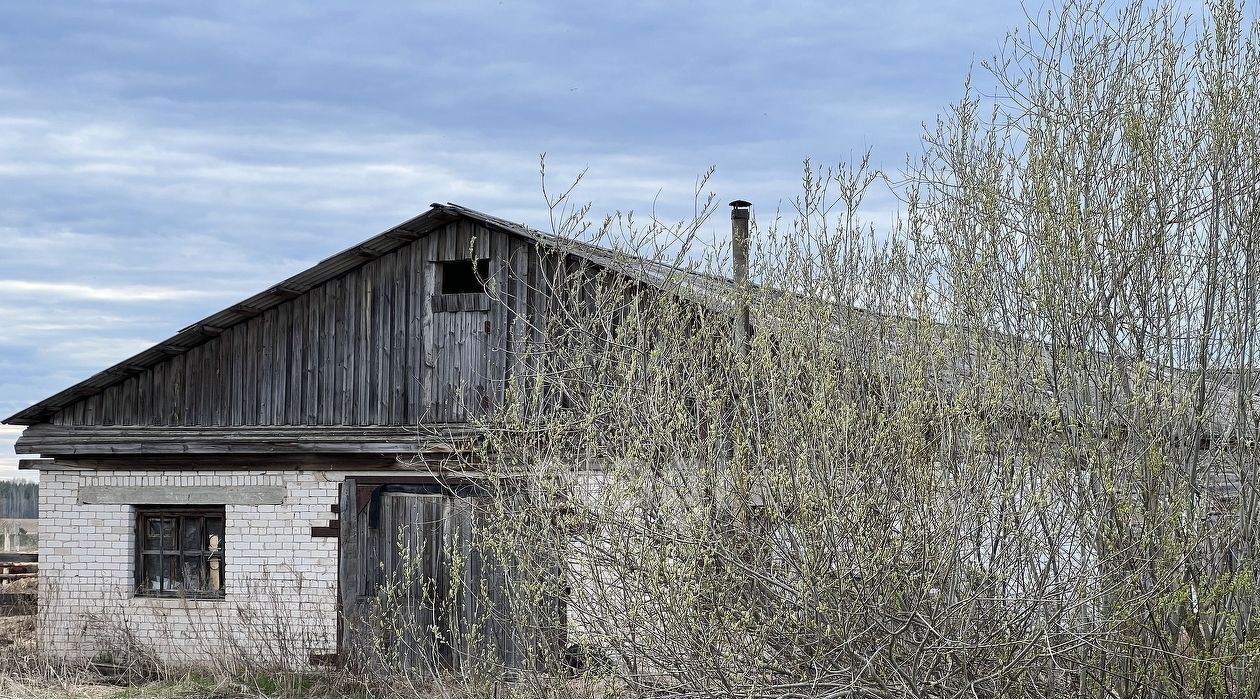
(446, 300)
(144, 513)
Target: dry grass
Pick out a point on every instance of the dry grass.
(23, 675)
(192, 686)
(81, 683)
(330, 685)
(47, 682)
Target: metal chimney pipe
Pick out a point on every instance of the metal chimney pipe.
(739, 259)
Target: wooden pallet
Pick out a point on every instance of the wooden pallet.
(11, 558)
(16, 566)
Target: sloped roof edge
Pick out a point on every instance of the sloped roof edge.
(210, 327)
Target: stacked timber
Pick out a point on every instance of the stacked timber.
(18, 574)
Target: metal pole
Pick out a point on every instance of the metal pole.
(739, 258)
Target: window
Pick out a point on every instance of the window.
(179, 551)
(465, 276)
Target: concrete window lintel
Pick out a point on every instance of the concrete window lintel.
(181, 495)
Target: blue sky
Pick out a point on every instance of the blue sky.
(159, 161)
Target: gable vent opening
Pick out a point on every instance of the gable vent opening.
(465, 276)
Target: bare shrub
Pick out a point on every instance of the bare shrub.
(1006, 448)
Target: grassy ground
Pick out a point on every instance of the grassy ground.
(24, 676)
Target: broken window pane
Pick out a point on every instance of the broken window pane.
(193, 573)
(160, 534)
(214, 527)
(191, 532)
(159, 572)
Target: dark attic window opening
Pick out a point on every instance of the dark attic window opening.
(465, 276)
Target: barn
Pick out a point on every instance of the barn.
(232, 490)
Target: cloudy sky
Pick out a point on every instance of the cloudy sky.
(159, 161)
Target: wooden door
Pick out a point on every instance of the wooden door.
(418, 592)
(459, 363)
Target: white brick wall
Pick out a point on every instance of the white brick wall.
(280, 602)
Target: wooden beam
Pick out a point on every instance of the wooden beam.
(332, 531)
(247, 311)
(406, 235)
(325, 659)
(245, 462)
(67, 441)
(6, 558)
(403, 479)
(284, 293)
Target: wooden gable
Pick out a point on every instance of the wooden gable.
(377, 345)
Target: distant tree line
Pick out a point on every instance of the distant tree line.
(19, 500)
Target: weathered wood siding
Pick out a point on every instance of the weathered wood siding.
(417, 590)
(368, 348)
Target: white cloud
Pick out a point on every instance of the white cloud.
(316, 169)
(22, 324)
(8, 458)
(86, 292)
(94, 353)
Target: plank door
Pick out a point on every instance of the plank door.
(460, 365)
(418, 593)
